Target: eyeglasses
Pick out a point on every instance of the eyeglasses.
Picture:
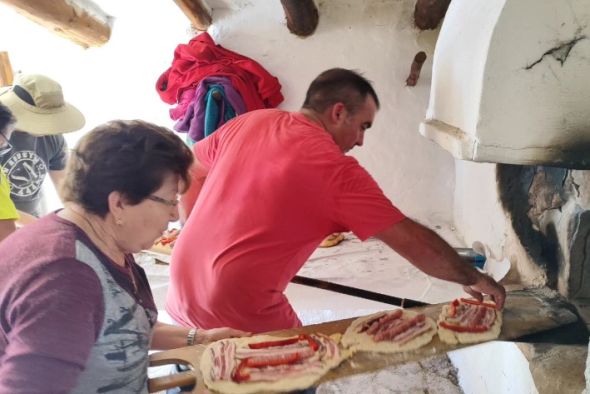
(170, 203)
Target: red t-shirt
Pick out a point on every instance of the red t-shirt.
(277, 185)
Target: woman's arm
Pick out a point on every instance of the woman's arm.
(54, 322)
(7, 227)
(167, 336)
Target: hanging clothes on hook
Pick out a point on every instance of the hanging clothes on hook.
(193, 120)
(211, 85)
(201, 58)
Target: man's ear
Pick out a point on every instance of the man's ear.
(337, 113)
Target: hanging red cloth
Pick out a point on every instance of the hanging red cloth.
(201, 58)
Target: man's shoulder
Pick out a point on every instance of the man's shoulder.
(22, 140)
(50, 147)
(256, 121)
(266, 113)
(52, 140)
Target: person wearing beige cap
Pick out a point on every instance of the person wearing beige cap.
(8, 214)
(38, 146)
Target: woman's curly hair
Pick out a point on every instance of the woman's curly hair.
(130, 157)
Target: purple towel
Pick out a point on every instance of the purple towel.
(193, 121)
(186, 98)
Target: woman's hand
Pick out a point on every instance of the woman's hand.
(206, 336)
(167, 336)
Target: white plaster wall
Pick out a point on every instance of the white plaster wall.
(376, 37)
(478, 213)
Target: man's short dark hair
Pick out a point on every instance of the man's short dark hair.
(339, 85)
(130, 157)
(6, 118)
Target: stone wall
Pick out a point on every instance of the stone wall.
(548, 208)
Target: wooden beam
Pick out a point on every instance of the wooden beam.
(415, 68)
(429, 13)
(197, 11)
(83, 23)
(302, 16)
(6, 75)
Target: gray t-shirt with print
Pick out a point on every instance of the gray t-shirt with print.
(27, 165)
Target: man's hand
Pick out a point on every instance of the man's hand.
(206, 336)
(431, 254)
(486, 285)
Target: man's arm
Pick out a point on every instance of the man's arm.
(187, 200)
(58, 157)
(25, 218)
(57, 177)
(431, 254)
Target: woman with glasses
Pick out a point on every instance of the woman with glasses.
(8, 214)
(76, 311)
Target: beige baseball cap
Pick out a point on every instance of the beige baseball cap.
(38, 104)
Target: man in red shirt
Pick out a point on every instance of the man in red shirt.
(271, 185)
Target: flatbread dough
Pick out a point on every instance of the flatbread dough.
(355, 340)
(454, 337)
(332, 240)
(299, 382)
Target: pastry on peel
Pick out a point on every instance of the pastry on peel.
(467, 320)
(393, 331)
(267, 363)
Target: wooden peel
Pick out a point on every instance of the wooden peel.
(526, 312)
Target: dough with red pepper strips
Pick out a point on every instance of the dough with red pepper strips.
(266, 363)
(469, 321)
(393, 331)
(165, 243)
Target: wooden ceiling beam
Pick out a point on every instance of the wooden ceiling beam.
(88, 28)
(197, 11)
(415, 68)
(429, 13)
(302, 16)
(6, 74)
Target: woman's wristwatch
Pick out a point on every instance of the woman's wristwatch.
(190, 337)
